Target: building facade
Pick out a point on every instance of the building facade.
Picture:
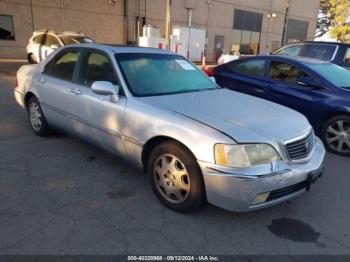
(247, 26)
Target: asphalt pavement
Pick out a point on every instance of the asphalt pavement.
(59, 195)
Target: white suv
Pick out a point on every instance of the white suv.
(44, 42)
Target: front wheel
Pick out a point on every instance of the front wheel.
(36, 118)
(336, 135)
(175, 177)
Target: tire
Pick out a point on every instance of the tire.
(36, 117)
(31, 59)
(335, 135)
(173, 167)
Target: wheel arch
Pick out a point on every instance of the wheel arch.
(29, 57)
(153, 142)
(27, 96)
(330, 116)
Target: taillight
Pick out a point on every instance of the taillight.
(17, 85)
(208, 71)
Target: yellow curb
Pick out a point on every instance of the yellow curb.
(12, 60)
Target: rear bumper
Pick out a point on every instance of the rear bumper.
(236, 189)
(19, 97)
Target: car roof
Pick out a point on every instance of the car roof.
(122, 48)
(300, 59)
(64, 33)
(318, 42)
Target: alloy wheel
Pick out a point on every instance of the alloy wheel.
(338, 136)
(171, 178)
(35, 116)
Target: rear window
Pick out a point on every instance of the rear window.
(70, 40)
(38, 39)
(293, 50)
(255, 67)
(321, 52)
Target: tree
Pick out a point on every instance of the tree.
(334, 17)
(324, 18)
(340, 26)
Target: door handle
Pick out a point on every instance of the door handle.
(76, 91)
(42, 80)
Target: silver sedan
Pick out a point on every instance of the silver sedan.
(196, 141)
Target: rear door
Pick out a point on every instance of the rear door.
(245, 76)
(55, 85)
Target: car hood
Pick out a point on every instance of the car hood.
(242, 117)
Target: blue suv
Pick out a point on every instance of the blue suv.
(336, 53)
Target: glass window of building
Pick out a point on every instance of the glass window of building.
(246, 32)
(296, 30)
(7, 31)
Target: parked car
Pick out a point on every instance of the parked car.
(319, 90)
(336, 53)
(225, 58)
(44, 42)
(195, 140)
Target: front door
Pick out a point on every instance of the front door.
(285, 90)
(93, 116)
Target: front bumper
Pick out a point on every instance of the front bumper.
(235, 189)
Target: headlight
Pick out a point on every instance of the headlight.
(245, 155)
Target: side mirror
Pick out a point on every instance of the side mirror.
(308, 82)
(54, 46)
(106, 88)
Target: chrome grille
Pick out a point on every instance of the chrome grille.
(300, 149)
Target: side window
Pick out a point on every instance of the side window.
(51, 40)
(284, 72)
(96, 67)
(293, 50)
(322, 52)
(347, 57)
(38, 39)
(63, 65)
(255, 67)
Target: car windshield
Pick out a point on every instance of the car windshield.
(159, 74)
(338, 76)
(70, 40)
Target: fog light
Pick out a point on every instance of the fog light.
(261, 198)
